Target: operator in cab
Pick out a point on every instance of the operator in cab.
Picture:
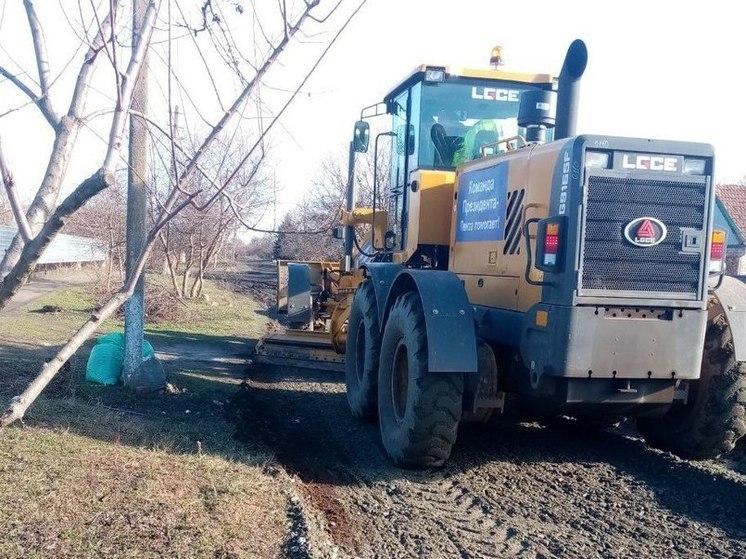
(458, 139)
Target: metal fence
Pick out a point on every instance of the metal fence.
(64, 249)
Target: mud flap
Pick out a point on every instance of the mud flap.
(449, 318)
(382, 275)
(732, 298)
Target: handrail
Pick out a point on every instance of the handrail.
(517, 137)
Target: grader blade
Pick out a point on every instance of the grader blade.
(298, 349)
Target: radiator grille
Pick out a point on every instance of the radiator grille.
(610, 262)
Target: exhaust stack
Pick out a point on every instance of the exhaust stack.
(568, 92)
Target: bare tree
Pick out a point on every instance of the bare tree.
(323, 203)
(184, 192)
(257, 248)
(45, 218)
(194, 238)
(103, 218)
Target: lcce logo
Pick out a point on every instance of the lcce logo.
(650, 163)
(645, 231)
(496, 94)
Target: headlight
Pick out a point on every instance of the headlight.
(596, 159)
(694, 166)
(435, 74)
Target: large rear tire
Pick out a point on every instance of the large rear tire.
(715, 416)
(361, 353)
(418, 411)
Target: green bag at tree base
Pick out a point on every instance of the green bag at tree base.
(106, 362)
(116, 338)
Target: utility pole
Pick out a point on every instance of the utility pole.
(134, 309)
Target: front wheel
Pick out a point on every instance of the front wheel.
(361, 353)
(715, 416)
(418, 411)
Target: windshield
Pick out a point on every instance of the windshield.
(460, 117)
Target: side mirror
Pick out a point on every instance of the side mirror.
(361, 137)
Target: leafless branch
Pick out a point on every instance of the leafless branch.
(258, 23)
(18, 108)
(101, 33)
(128, 83)
(327, 16)
(15, 205)
(40, 50)
(295, 93)
(243, 96)
(52, 117)
(202, 57)
(82, 84)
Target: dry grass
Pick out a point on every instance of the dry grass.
(98, 472)
(66, 495)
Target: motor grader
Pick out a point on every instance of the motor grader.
(577, 274)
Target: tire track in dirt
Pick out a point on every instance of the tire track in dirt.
(510, 489)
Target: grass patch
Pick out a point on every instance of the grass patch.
(222, 313)
(30, 325)
(66, 495)
(99, 472)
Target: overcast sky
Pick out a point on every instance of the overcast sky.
(663, 69)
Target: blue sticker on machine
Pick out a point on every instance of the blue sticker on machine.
(480, 215)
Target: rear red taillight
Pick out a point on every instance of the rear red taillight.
(551, 244)
(717, 252)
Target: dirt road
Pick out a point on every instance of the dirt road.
(509, 490)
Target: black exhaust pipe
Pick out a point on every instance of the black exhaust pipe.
(568, 92)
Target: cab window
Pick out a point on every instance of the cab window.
(460, 116)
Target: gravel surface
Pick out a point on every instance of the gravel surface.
(510, 489)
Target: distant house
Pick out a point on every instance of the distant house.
(63, 250)
(730, 215)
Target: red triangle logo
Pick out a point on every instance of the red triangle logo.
(646, 230)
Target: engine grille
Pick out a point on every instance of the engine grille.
(611, 263)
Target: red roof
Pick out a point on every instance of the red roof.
(733, 197)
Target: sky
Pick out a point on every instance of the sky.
(663, 69)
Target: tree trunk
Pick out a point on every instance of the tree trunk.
(110, 263)
(200, 272)
(165, 242)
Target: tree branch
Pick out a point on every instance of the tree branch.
(100, 180)
(242, 97)
(83, 82)
(52, 118)
(116, 133)
(10, 189)
(292, 97)
(40, 50)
